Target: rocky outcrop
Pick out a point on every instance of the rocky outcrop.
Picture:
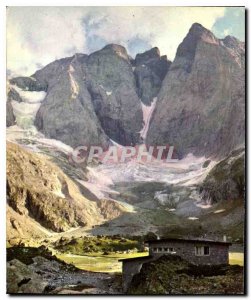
(201, 104)
(171, 275)
(236, 48)
(10, 118)
(33, 270)
(29, 83)
(42, 197)
(11, 95)
(226, 180)
(150, 70)
(22, 279)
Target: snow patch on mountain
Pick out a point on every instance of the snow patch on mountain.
(35, 139)
(147, 114)
(31, 97)
(25, 111)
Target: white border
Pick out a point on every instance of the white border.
(3, 4)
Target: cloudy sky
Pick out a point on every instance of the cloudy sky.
(38, 35)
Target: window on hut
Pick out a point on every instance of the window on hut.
(202, 250)
(168, 250)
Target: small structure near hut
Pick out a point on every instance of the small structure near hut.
(194, 251)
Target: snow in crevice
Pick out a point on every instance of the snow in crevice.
(108, 93)
(193, 218)
(25, 111)
(30, 97)
(73, 82)
(147, 114)
(116, 144)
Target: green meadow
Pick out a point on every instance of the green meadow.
(97, 262)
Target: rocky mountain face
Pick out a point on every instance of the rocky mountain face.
(200, 97)
(201, 103)
(150, 70)
(111, 85)
(41, 198)
(67, 112)
(95, 94)
(92, 99)
(226, 181)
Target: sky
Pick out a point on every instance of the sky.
(37, 36)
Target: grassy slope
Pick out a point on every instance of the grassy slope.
(104, 244)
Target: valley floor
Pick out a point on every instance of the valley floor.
(97, 262)
(156, 200)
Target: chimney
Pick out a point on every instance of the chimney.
(224, 238)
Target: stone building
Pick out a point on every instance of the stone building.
(198, 252)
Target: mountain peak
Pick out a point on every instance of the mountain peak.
(232, 42)
(198, 32)
(118, 49)
(147, 56)
(195, 34)
(197, 26)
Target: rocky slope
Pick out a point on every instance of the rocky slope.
(201, 103)
(37, 271)
(226, 181)
(41, 198)
(171, 275)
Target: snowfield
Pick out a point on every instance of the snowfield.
(101, 180)
(187, 171)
